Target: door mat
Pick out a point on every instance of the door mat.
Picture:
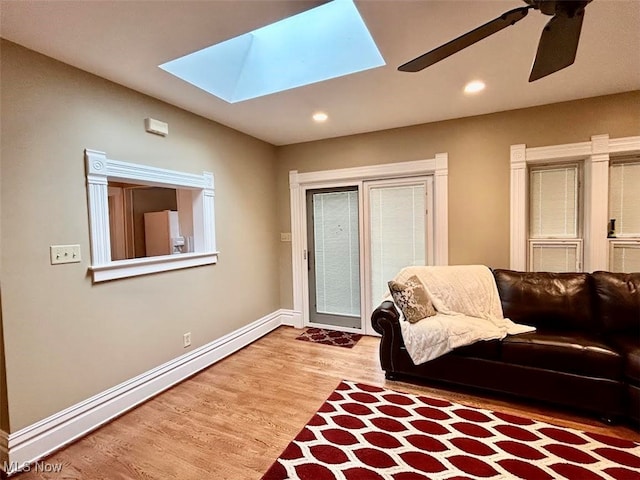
(330, 337)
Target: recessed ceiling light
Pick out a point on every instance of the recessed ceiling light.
(320, 117)
(474, 87)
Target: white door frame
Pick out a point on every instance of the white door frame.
(299, 183)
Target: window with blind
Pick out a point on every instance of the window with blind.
(398, 232)
(555, 243)
(624, 214)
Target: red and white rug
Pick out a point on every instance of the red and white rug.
(330, 337)
(370, 433)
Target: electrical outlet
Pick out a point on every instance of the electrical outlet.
(186, 340)
(65, 254)
(285, 237)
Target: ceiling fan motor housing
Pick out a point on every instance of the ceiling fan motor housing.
(553, 7)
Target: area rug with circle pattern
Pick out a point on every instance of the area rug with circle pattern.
(364, 432)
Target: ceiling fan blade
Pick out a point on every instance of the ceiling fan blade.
(457, 44)
(558, 44)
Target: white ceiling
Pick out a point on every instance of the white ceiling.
(125, 41)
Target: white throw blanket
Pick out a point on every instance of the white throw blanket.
(469, 310)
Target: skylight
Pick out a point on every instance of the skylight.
(325, 42)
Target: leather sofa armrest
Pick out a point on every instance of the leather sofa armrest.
(386, 321)
(384, 314)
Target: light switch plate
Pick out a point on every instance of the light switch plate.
(285, 237)
(65, 254)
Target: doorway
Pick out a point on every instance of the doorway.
(358, 238)
(434, 173)
(398, 232)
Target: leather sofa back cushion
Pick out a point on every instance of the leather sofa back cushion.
(618, 301)
(547, 301)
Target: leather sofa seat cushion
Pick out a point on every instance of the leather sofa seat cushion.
(547, 301)
(619, 301)
(630, 348)
(488, 350)
(578, 353)
(632, 365)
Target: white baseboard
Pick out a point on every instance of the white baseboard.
(291, 318)
(20, 449)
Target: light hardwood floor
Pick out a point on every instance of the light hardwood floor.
(232, 420)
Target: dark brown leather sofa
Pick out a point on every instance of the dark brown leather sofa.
(584, 354)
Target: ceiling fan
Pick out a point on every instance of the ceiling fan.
(557, 47)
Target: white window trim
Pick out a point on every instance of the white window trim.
(99, 170)
(300, 182)
(596, 155)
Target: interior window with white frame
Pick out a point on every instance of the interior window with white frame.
(624, 215)
(555, 227)
(190, 213)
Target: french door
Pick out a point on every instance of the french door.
(399, 232)
(333, 235)
(358, 238)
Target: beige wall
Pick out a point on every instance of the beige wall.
(66, 339)
(479, 174)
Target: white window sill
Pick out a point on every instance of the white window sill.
(147, 265)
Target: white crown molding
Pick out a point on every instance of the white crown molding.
(100, 166)
(403, 169)
(32, 443)
(625, 145)
(558, 153)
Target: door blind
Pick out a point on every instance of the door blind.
(397, 233)
(337, 253)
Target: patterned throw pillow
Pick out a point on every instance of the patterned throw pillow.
(412, 298)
